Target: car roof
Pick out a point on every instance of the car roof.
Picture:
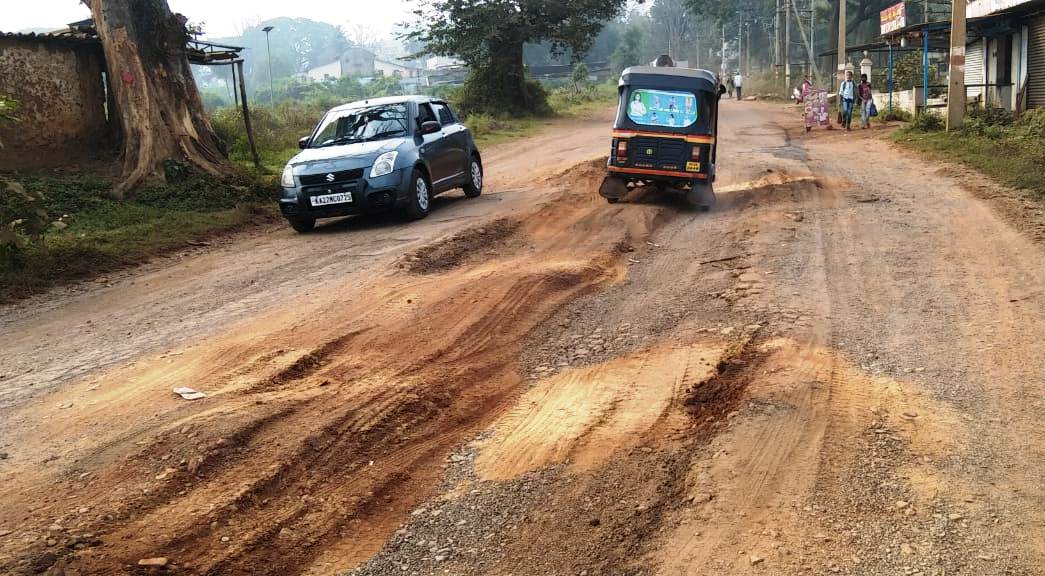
(385, 100)
(683, 77)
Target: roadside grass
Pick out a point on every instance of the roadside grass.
(1013, 154)
(91, 234)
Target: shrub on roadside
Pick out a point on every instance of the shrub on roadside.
(928, 122)
(991, 116)
(1032, 123)
(897, 115)
(23, 219)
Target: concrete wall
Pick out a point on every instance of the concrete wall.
(60, 91)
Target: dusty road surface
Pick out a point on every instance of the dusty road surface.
(839, 369)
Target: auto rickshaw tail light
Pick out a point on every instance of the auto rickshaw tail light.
(695, 153)
(622, 148)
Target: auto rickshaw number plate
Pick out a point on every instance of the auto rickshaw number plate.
(692, 166)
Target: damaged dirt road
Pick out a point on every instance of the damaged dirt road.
(836, 370)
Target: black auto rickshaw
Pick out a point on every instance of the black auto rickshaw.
(665, 132)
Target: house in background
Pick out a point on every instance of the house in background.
(1005, 62)
(362, 63)
(331, 71)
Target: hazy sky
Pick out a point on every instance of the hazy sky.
(223, 17)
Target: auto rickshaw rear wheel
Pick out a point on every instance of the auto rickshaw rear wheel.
(701, 196)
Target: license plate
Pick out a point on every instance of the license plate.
(692, 166)
(327, 199)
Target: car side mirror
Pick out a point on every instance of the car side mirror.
(303, 143)
(430, 127)
(721, 90)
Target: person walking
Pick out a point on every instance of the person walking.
(866, 96)
(847, 99)
(738, 81)
(730, 87)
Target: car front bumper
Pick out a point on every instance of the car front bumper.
(368, 195)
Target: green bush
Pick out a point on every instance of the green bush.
(991, 116)
(897, 115)
(1032, 123)
(477, 97)
(23, 219)
(928, 122)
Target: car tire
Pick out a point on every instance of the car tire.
(303, 225)
(420, 192)
(474, 187)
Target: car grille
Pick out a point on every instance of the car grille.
(322, 179)
(335, 188)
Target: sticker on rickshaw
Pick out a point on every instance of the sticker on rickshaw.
(662, 108)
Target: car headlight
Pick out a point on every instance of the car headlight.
(384, 164)
(287, 180)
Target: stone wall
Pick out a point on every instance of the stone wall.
(60, 90)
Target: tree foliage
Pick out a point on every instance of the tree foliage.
(489, 36)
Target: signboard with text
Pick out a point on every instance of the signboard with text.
(894, 18)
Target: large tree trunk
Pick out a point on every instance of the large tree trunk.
(160, 111)
(498, 85)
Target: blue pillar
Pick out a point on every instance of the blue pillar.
(925, 72)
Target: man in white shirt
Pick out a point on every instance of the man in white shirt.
(847, 99)
(738, 83)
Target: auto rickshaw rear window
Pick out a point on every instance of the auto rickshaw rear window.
(662, 108)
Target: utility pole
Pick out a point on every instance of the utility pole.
(268, 49)
(740, 44)
(812, 39)
(841, 42)
(807, 40)
(956, 85)
(787, 45)
(776, 40)
(724, 63)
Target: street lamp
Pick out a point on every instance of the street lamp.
(268, 49)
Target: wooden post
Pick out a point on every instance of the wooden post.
(246, 116)
(235, 89)
(956, 84)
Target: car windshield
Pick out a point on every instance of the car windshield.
(362, 125)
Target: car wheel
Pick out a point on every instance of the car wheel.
(420, 197)
(474, 187)
(303, 224)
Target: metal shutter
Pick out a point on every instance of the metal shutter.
(1036, 63)
(974, 71)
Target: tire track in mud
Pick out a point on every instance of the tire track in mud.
(307, 456)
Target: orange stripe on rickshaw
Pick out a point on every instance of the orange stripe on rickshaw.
(690, 139)
(694, 175)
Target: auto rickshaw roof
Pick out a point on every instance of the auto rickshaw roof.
(669, 78)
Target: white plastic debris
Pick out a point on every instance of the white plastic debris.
(189, 393)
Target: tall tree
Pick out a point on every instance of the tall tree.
(675, 21)
(488, 35)
(160, 111)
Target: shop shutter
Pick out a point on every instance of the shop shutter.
(1036, 63)
(974, 70)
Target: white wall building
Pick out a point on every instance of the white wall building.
(1005, 65)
